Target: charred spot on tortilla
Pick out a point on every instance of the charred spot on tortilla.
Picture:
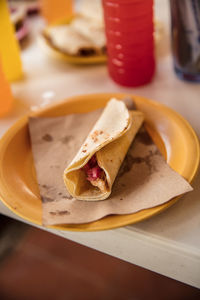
(94, 136)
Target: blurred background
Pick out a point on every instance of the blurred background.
(35, 264)
(38, 265)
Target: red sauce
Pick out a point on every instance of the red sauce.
(92, 169)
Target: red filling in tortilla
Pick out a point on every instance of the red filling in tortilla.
(95, 174)
(92, 169)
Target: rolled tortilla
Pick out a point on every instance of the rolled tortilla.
(102, 153)
(69, 41)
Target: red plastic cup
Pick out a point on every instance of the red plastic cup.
(131, 14)
(126, 47)
(125, 24)
(133, 37)
(130, 42)
(133, 77)
(126, 53)
(127, 63)
(128, 9)
(120, 58)
(124, 50)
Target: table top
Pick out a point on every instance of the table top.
(168, 243)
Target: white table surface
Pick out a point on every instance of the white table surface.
(168, 243)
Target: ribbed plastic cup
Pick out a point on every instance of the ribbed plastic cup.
(130, 42)
(125, 24)
(129, 38)
(132, 77)
(128, 62)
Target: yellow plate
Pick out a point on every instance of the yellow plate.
(54, 53)
(18, 186)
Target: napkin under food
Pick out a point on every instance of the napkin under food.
(145, 180)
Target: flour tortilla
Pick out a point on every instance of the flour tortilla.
(109, 140)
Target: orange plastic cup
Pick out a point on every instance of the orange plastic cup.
(6, 97)
(54, 11)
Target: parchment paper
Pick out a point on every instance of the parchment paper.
(145, 180)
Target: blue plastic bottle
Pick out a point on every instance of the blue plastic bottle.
(185, 35)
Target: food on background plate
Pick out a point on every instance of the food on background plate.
(70, 42)
(92, 10)
(81, 37)
(91, 174)
(92, 30)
